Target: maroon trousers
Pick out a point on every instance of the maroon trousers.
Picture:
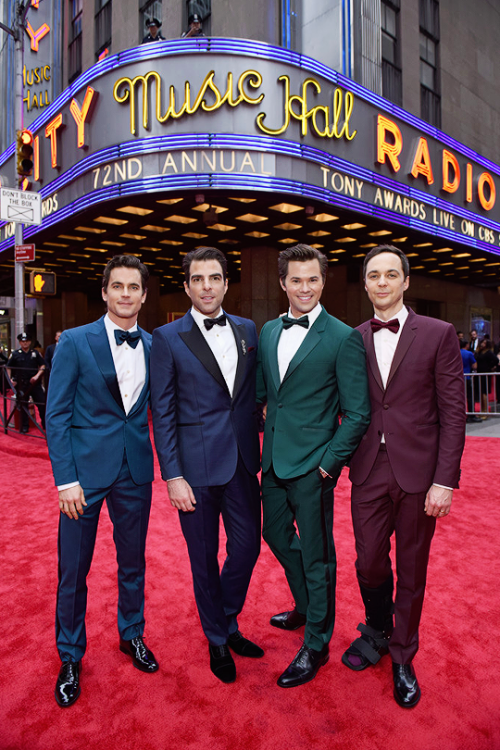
(379, 508)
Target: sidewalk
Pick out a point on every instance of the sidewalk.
(489, 428)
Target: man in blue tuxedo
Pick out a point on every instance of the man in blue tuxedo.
(99, 446)
(205, 428)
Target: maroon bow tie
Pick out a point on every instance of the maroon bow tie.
(392, 325)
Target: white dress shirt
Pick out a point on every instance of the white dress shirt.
(385, 343)
(223, 345)
(291, 339)
(130, 367)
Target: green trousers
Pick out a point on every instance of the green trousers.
(305, 504)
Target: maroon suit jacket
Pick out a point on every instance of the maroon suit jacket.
(422, 410)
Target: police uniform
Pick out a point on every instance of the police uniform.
(23, 366)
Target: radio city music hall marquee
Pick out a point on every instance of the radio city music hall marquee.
(227, 114)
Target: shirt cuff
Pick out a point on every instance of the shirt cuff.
(68, 486)
(172, 479)
(443, 486)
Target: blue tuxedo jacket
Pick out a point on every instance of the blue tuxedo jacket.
(88, 431)
(199, 428)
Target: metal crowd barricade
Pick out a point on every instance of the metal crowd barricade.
(15, 402)
(481, 394)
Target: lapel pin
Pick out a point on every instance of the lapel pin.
(243, 346)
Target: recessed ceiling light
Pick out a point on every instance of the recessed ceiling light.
(151, 249)
(170, 242)
(359, 255)
(337, 252)
(461, 255)
(287, 227)
(210, 206)
(346, 239)
(286, 208)
(288, 241)
(55, 244)
(417, 268)
(170, 201)
(449, 263)
(435, 270)
(258, 235)
(333, 260)
(244, 200)
(111, 220)
(399, 239)
(96, 249)
(133, 237)
(412, 255)
(476, 260)
(318, 233)
(317, 245)
(233, 252)
(252, 218)
(180, 219)
(380, 233)
(80, 255)
(135, 210)
(229, 242)
(462, 268)
(442, 250)
(152, 228)
(424, 244)
(322, 218)
(369, 244)
(111, 243)
(168, 260)
(41, 250)
(71, 237)
(195, 235)
(94, 230)
(487, 265)
(356, 225)
(221, 227)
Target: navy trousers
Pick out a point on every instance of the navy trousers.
(128, 506)
(220, 594)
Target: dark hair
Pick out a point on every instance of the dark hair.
(203, 253)
(301, 253)
(125, 261)
(463, 343)
(387, 249)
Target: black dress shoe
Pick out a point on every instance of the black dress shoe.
(142, 657)
(406, 689)
(304, 667)
(243, 647)
(288, 620)
(68, 683)
(222, 663)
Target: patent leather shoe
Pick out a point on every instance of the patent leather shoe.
(142, 657)
(243, 647)
(222, 663)
(304, 667)
(288, 620)
(68, 683)
(406, 688)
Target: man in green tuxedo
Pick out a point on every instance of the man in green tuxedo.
(311, 370)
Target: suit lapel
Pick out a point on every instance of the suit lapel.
(405, 341)
(371, 356)
(310, 342)
(145, 390)
(239, 332)
(99, 345)
(273, 357)
(196, 343)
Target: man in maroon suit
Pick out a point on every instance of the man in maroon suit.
(406, 466)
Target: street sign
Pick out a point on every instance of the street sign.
(20, 206)
(25, 253)
(42, 282)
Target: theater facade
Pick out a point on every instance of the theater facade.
(251, 148)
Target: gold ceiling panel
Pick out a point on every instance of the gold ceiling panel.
(137, 210)
(111, 220)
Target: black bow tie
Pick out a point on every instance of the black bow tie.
(211, 322)
(132, 339)
(392, 325)
(289, 322)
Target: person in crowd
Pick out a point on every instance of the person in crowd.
(99, 447)
(487, 362)
(25, 368)
(311, 370)
(460, 336)
(154, 34)
(469, 366)
(194, 27)
(405, 468)
(51, 350)
(206, 437)
(474, 340)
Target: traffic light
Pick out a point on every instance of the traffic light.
(42, 282)
(24, 152)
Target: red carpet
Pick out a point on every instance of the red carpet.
(183, 705)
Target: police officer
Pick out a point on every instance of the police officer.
(153, 25)
(25, 368)
(194, 22)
